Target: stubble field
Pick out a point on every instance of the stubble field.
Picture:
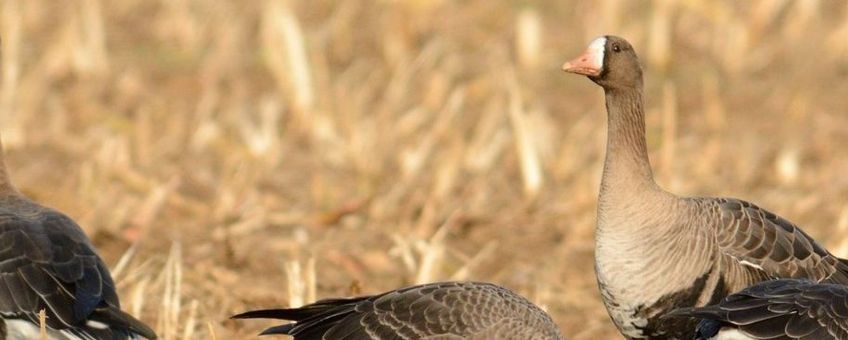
(228, 155)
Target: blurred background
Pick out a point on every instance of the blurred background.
(227, 155)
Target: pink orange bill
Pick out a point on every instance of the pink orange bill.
(585, 64)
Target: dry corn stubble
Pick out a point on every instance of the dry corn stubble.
(235, 155)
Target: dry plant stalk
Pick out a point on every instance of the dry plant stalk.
(465, 272)
(211, 329)
(137, 296)
(531, 169)
(301, 282)
(190, 322)
(10, 45)
(841, 249)
(118, 270)
(529, 38)
(42, 324)
(172, 277)
(432, 255)
(91, 53)
(285, 54)
(659, 42)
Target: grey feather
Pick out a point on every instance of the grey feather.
(447, 310)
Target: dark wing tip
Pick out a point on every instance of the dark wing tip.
(269, 314)
(282, 329)
(280, 314)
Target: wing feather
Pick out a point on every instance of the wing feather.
(780, 309)
(757, 238)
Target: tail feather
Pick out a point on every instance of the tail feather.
(310, 321)
(279, 314)
(300, 313)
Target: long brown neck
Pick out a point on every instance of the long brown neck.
(626, 166)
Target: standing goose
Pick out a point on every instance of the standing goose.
(778, 309)
(655, 251)
(444, 311)
(47, 263)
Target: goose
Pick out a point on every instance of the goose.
(444, 310)
(655, 251)
(777, 309)
(47, 263)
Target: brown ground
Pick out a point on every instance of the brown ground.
(261, 153)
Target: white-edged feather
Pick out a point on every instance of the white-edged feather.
(750, 264)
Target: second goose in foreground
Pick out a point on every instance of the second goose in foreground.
(780, 309)
(446, 310)
(655, 251)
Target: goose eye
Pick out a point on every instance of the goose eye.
(615, 48)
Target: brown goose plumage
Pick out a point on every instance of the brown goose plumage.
(655, 251)
(447, 310)
(47, 263)
(783, 309)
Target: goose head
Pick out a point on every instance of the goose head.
(610, 62)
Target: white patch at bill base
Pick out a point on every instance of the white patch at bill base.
(597, 47)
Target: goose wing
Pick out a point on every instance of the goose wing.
(778, 309)
(47, 263)
(759, 239)
(449, 310)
